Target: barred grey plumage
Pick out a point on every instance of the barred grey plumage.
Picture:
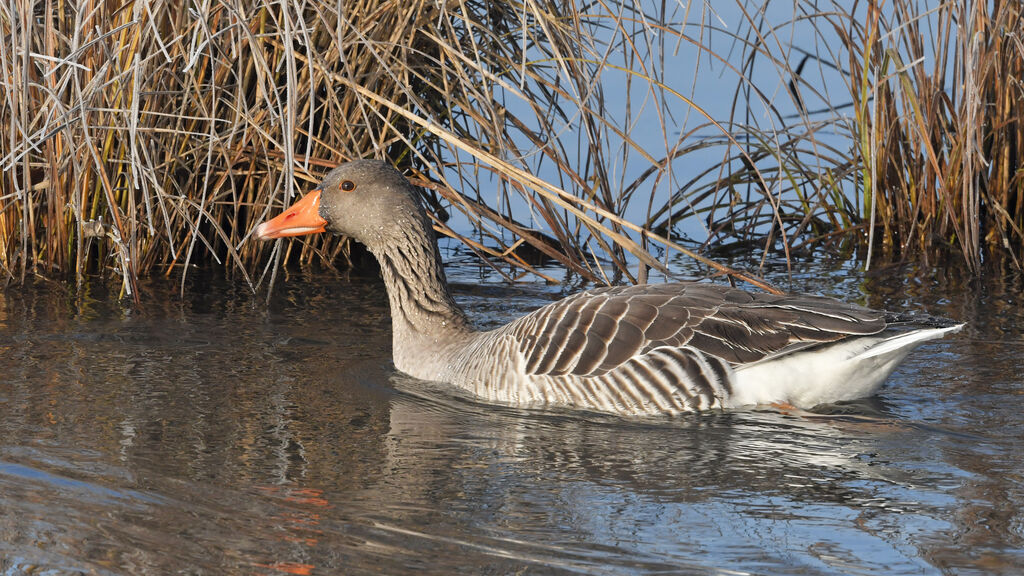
(651, 349)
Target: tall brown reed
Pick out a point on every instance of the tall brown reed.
(143, 138)
(940, 120)
(933, 113)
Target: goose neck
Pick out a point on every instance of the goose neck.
(422, 307)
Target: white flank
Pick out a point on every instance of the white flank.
(849, 369)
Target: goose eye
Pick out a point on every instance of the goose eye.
(348, 186)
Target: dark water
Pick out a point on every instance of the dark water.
(218, 434)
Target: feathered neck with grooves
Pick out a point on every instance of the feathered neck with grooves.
(421, 305)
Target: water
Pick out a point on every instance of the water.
(219, 434)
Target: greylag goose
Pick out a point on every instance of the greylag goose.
(631, 350)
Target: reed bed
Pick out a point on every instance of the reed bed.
(928, 160)
(146, 138)
(939, 114)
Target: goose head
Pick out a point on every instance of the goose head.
(366, 200)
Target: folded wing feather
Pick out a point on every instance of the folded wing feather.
(596, 331)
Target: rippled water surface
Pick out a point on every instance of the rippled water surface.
(216, 433)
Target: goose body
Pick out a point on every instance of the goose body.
(632, 350)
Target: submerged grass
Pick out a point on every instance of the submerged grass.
(143, 138)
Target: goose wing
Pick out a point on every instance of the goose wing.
(593, 332)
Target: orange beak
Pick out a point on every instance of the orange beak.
(301, 218)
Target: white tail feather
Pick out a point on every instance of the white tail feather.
(907, 339)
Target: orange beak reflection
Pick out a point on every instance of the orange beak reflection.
(300, 219)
